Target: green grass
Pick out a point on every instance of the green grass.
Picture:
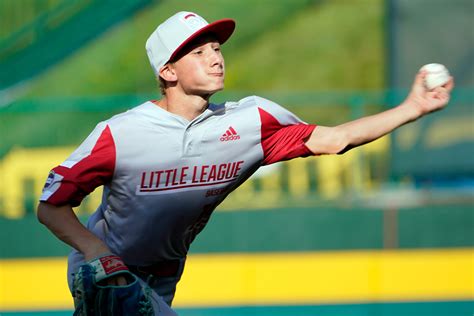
(334, 46)
(116, 63)
(278, 45)
(15, 14)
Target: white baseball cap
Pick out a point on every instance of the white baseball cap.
(173, 34)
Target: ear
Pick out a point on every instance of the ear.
(168, 73)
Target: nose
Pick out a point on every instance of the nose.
(217, 59)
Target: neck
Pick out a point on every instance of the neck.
(187, 106)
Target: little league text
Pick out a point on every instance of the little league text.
(189, 176)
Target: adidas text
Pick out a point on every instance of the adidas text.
(228, 138)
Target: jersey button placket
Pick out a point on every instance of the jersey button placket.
(190, 141)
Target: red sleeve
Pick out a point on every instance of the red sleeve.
(92, 171)
(283, 142)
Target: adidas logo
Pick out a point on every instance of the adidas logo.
(229, 135)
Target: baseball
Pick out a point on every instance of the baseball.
(437, 75)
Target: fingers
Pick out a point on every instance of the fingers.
(420, 79)
(121, 281)
(449, 85)
(442, 94)
(444, 90)
(117, 281)
(418, 87)
(439, 98)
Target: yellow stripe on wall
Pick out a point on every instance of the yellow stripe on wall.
(329, 277)
(274, 278)
(34, 284)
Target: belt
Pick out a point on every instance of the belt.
(161, 269)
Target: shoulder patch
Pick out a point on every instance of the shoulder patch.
(53, 178)
(49, 180)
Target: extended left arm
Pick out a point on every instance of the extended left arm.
(341, 138)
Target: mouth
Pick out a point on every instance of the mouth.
(217, 74)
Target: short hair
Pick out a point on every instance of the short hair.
(161, 85)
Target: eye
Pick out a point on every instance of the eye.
(217, 49)
(198, 52)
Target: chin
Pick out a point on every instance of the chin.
(209, 89)
(216, 88)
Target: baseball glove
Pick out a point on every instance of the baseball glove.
(92, 295)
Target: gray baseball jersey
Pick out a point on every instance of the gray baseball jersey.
(164, 175)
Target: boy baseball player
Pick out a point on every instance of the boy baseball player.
(166, 165)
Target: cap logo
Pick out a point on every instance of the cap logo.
(194, 22)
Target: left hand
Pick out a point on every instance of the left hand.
(425, 101)
(93, 297)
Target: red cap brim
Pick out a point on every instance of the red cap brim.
(222, 29)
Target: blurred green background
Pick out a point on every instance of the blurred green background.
(66, 65)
